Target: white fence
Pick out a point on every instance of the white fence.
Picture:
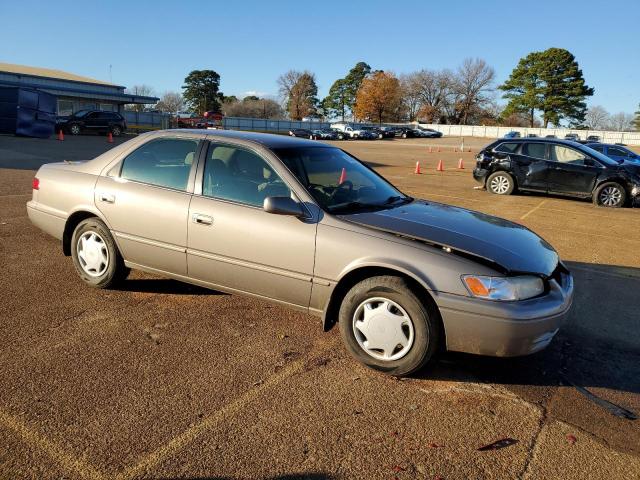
(629, 138)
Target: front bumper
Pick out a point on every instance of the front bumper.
(505, 329)
(480, 174)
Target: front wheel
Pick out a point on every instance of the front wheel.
(385, 326)
(95, 254)
(74, 129)
(610, 194)
(116, 130)
(500, 183)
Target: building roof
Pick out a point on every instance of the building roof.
(49, 73)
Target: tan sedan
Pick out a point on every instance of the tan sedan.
(309, 226)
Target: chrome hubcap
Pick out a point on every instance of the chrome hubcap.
(500, 184)
(610, 196)
(93, 254)
(383, 329)
(75, 129)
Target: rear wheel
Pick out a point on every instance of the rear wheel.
(610, 194)
(95, 254)
(500, 183)
(385, 326)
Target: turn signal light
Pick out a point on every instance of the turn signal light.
(35, 184)
(476, 287)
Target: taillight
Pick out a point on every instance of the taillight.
(35, 184)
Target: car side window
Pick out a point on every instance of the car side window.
(597, 148)
(507, 147)
(535, 150)
(618, 152)
(165, 162)
(239, 175)
(562, 154)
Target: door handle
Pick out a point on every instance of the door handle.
(202, 219)
(107, 197)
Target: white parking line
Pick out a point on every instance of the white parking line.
(532, 210)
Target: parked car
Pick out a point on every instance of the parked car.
(308, 226)
(574, 137)
(557, 166)
(324, 134)
(349, 130)
(387, 132)
(532, 135)
(616, 152)
(429, 132)
(512, 134)
(98, 121)
(407, 132)
(369, 133)
(593, 139)
(550, 136)
(300, 132)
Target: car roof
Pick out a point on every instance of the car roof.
(541, 140)
(268, 140)
(607, 145)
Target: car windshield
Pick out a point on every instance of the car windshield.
(600, 156)
(339, 182)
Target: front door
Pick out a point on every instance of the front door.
(234, 243)
(569, 174)
(146, 203)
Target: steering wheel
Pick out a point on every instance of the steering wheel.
(346, 184)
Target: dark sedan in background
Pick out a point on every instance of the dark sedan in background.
(559, 167)
(92, 121)
(620, 153)
(300, 132)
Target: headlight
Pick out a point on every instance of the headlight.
(503, 288)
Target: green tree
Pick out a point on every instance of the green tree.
(549, 81)
(336, 103)
(299, 93)
(202, 91)
(636, 120)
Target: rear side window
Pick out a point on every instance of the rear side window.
(507, 147)
(597, 148)
(535, 150)
(165, 163)
(618, 152)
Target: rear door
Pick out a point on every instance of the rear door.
(145, 200)
(530, 166)
(569, 174)
(234, 243)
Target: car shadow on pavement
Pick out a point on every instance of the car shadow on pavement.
(164, 286)
(598, 345)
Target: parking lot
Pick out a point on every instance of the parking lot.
(164, 380)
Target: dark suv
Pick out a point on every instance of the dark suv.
(92, 121)
(559, 167)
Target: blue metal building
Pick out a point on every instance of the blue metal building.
(72, 92)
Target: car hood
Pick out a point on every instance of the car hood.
(513, 247)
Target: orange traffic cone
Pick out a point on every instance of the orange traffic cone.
(110, 137)
(417, 170)
(469, 150)
(60, 135)
(460, 164)
(343, 176)
(440, 166)
(438, 149)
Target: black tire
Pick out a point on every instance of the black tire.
(423, 315)
(500, 183)
(74, 129)
(116, 131)
(115, 270)
(610, 194)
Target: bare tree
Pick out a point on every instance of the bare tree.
(473, 82)
(254, 108)
(596, 118)
(170, 102)
(436, 88)
(142, 90)
(411, 100)
(621, 122)
(298, 91)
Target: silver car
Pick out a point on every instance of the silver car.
(307, 225)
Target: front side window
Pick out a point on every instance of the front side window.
(165, 162)
(507, 147)
(239, 175)
(563, 154)
(338, 181)
(535, 150)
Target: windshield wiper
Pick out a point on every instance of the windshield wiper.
(346, 207)
(394, 198)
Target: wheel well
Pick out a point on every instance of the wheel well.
(345, 284)
(72, 222)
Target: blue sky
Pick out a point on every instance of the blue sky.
(250, 43)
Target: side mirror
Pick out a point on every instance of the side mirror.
(282, 206)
